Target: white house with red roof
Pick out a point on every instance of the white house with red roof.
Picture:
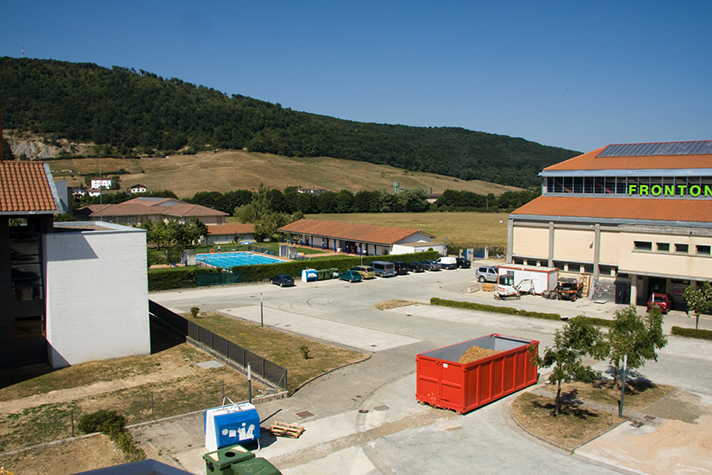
(360, 238)
(230, 233)
(637, 217)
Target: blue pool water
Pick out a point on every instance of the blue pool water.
(232, 259)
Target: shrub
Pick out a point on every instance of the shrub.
(113, 425)
(194, 311)
(304, 349)
(692, 333)
(101, 421)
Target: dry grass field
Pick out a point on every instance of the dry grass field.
(236, 169)
(467, 229)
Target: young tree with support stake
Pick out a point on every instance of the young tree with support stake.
(698, 300)
(636, 336)
(577, 339)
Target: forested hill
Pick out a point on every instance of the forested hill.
(133, 113)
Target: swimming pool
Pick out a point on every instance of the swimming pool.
(232, 259)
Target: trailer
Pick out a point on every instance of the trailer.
(516, 279)
(443, 382)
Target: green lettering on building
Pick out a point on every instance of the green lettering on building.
(669, 190)
(656, 190)
(695, 190)
(644, 190)
(708, 190)
(682, 189)
(632, 189)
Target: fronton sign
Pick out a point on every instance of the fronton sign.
(670, 190)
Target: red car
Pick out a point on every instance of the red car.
(664, 301)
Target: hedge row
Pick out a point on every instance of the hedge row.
(494, 309)
(176, 277)
(601, 322)
(692, 333)
(184, 277)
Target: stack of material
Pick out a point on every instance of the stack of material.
(476, 353)
(282, 429)
(489, 287)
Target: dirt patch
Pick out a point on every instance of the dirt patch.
(77, 456)
(475, 353)
(638, 394)
(573, 426)
(395, 303)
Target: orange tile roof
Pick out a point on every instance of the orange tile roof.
(26, 187)
(223, 229)
(590, 161)
(675, 210)
(150, 207)
(350, 231)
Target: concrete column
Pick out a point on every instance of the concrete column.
(486, 253)
(551, 244)
(633, 289)
(510, 240)
(596, 250)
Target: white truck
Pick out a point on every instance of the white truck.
(516, 279)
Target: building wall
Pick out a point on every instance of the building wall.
(529, 241)
(97, 294)
(574, 245)
(665, 263)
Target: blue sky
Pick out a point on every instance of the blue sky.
(577, 75)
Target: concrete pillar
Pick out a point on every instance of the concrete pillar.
(596, 250)
(510, 240)
(486, 252)
(551, 244)
(633, 289)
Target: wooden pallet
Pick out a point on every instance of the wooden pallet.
(282, 429)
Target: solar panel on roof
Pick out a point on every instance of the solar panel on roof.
(703, 147)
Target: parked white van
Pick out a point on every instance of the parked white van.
(384, 269)
(447, 262)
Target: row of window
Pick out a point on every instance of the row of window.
(677, 248)
(696, 187)
(26, 265)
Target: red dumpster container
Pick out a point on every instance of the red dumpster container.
(444, 383)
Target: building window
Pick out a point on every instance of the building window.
(682, 248)
(574, 267)
(29, 327)
(642, 245)
(703, 250)
(26, 265)
(663, 247)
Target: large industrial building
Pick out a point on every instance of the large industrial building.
(637, 217)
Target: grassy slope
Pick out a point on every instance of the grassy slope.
(230, 170)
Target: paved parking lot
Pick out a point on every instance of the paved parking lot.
(364, 418)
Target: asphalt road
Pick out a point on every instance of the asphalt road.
(397, 435)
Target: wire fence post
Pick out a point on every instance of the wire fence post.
(153, 415)
(71, 415)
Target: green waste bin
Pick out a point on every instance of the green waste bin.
(221, 461)
(333, 273)
(256, 466)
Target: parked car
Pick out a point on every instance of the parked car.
(283, 280)
(416, 266)
(463, 263)
(431, 265)
(447, 262)
(401, 268)
(487, 274)
(664, 301)
(366, 272)
(384, 269)
(351, 276)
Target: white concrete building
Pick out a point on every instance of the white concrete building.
(96, 292)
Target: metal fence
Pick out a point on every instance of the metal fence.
(260, 366)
